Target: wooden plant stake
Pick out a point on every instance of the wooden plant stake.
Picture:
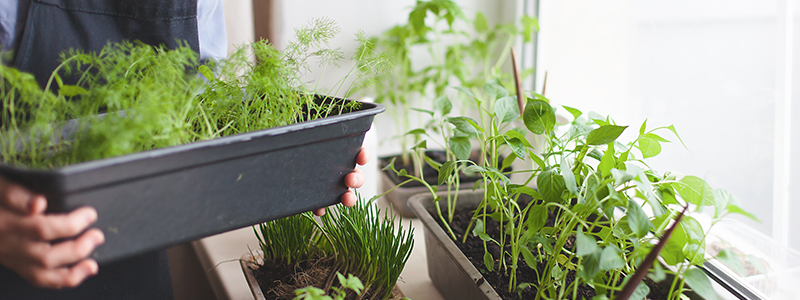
(644, 267)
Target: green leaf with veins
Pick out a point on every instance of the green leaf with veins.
(605, 134)
(638, 221)
(551, 185)
(573, 111)
(460, 146)
(442, 105)
(445, 171)
(539, 116)
(649, 147)
(696, 191)
(730, 259)
(700, 284)
(585, 244)
(506, 109)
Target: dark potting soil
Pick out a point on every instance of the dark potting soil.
(430, 174)
(474, 251)
(279, 280)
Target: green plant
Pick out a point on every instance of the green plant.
(597, 188)
(154, 99)
(314, 293)
(360, 241)
(457, 50)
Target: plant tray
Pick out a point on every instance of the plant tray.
(250, 263)
(154, 199)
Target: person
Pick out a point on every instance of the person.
(45, 255)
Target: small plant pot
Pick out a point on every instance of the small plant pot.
(450, 270)
(399, 196)
(250, 263)
(154, 199)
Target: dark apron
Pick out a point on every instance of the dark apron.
(53, 26)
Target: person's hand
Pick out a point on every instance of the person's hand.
(27, 235)
(353, 180)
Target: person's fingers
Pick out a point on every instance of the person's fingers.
(68, 252)
(363, 156)
(320, 212)
(15, 198)
(349, 199)
(38, 205)
(64, 277)
(355, 179)
(58, 226)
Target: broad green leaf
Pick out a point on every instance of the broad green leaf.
(539, 116)
(445, 171)
(667, 195)
(605, 134)
(656, 137)
(721, 199)
(696, 191)
(530, 260)
(737, 210)
(509, 160)
(442, 105)
(689, 238)
(556, 272)
(466, 92)
(569, 177)
(621, 176)
(416, 131)
(649, 147)
(657, 274)
(607, 162)
(460, 146)
(640, 292)
(537, 217)
(434, 164)
(551, 185)
(610, 258)
(643, 127)
(475, 169)
(351, 282)
(421, 145)
(591, 265)
(517, 146)
(514, 134)
(71, 90)
(573, 111)
(425, 111)
(506, 109)
(698, 281)
(638, 221)
(488, 261)
(465, 124)
(730, 259)
(536, 159)
(480, 23)
(585, 244)
(494, 90)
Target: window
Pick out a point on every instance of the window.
(723, 72)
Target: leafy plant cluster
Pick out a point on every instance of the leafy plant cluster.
(609, 206)
(151, 97)
(363, 243)
(457, 51)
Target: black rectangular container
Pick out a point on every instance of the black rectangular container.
(154, 199)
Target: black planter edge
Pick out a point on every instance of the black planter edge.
(450, 270)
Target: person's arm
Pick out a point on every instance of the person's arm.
(353, 180)
(27, 235)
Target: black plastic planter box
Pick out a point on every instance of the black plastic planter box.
(154, 199)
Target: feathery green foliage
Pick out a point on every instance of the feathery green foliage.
(154, 99)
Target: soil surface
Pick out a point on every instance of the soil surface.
(279, 280)
(473, 249)
(430, 174)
